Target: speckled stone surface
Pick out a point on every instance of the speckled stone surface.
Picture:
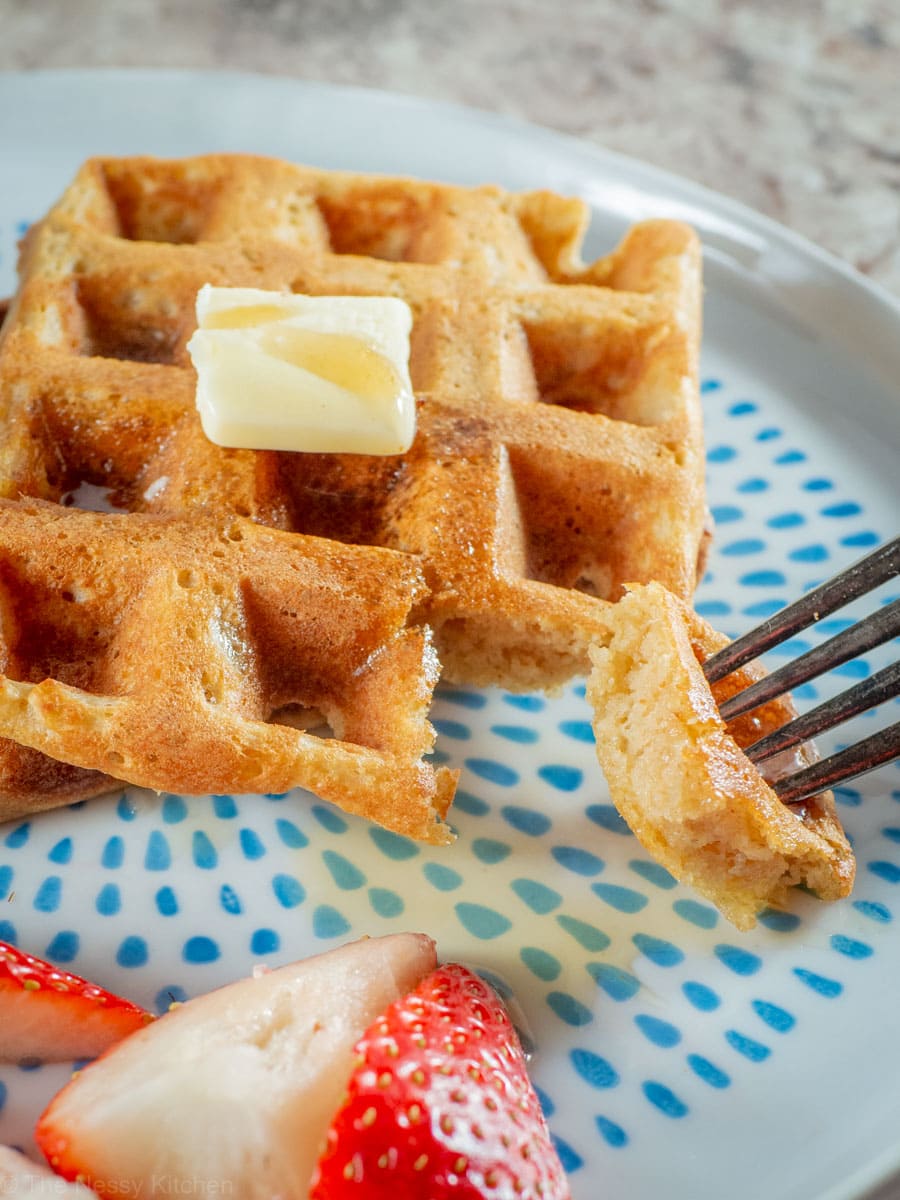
(792, 108)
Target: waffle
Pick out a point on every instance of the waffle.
(174, 654)
(693, 798)
(559, 449)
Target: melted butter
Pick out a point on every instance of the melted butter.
(339, 358)
(324, 374)
(245, 316)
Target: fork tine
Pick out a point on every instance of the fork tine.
(879, 627)
(858, 579)
(865, 756)
(882, 686)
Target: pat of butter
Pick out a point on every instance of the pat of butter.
(328, 374)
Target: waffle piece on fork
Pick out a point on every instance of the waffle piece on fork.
(678, 775)
(687, 722)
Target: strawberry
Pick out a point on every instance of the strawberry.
(51, 1015)
(440, 1105)
(230, 1094)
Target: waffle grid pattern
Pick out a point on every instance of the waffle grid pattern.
(559, 452)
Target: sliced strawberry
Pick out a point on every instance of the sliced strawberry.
(231, 1093)
(52, 1015)
(440, 1106)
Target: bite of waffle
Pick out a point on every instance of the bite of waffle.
(678, 775)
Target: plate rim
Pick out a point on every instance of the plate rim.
(743, 213)
(837, 272)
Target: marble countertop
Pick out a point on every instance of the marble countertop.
(793, 109)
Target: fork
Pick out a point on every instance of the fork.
(874, 630)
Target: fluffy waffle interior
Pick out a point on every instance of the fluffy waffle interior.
(559, 451)
(679, 776)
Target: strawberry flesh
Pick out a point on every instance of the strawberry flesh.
(230, 1094)
(440, 1105)
(50, 1015)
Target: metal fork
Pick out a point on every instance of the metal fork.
(874, 630)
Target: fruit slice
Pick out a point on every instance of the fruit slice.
(19, 1175)
(231, 1093)
(51, 1015)
(440, 1106)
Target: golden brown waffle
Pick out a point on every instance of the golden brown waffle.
(169, 653)
(560, 448)
(678, 775)
(559, 451)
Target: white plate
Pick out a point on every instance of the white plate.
(676, 1057)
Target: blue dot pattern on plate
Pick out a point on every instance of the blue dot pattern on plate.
(200, 949)
(166, 901)
(708, 1071)
(64, 947)
(133, 952)
(594, 1069)
(652, 1008)
(616, 982)
(109, 900)
(664, 1099)
(264, 941)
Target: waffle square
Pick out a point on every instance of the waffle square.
(559, 452)
(178, 655)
